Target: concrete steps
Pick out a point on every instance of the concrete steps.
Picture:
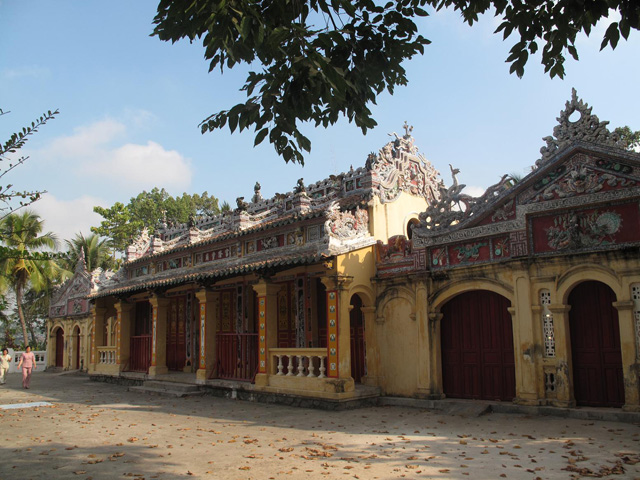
(170, 389)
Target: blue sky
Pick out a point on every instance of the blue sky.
(130, 106)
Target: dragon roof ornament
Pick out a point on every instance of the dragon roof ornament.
(454, 207)
(587, 128)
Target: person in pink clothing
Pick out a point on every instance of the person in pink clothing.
(28, 363)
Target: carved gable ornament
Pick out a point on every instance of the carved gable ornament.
(586, 127)
(70, 297)
(398, 167)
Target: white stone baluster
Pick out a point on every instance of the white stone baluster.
(322, 368)
(311, 367)
(300, 367)
(279, 365)
(290, 367)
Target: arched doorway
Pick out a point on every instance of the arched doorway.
(477, 347)
(595, 346)
(59, 347)
(356, 319)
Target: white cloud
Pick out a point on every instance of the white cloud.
(32, 71)
(98, 155)
(67, 218)
(87, 141)
(143, 166)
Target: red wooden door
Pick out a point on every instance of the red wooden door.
(59, 348)
(176, 334)
(356, 319)
(595, 346)
(287, 316)
(477, 347)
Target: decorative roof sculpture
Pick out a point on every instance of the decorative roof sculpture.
(586, 128)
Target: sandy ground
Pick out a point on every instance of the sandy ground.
(100, 431)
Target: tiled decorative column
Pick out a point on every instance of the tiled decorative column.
(97, 339)
(339, 331)
(124, 319)
(208, 327)
(267, 327)
(630, 359)
(160, 309)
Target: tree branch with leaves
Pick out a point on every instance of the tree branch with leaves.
(8, 195)
(319, 60)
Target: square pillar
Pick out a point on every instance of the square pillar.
(208, 322)
(97, 339)
(564, 365)
(629, 356)
(434, 335)
(124, 312)
(160, 306)
(372, 353)
(527, 356)
(267, 327)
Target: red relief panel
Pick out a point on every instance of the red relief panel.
(465, 253)
(438, 257)
(587, 229)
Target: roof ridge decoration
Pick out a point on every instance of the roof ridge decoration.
(587, 128)
(396, 168)
(454, 207)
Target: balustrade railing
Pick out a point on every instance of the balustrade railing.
(140, 353)
(237, 355)
(107, 355)
(299, 362)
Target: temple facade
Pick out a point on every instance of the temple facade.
(70, 322)
(277, 293)
(384, 281)
(529, 293)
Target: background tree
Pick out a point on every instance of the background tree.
(122, 223)
(321, 59)
(97, 253)
(35, 307)
(22, 270)
(11, 199)
(630, 139)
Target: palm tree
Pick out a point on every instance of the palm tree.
(20, 268)
(97, 253)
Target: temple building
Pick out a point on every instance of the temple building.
(384, 281)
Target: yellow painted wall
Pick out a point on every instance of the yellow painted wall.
(389, 219)
(520, 282)
(398, 342)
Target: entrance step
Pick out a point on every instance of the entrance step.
(171, 389)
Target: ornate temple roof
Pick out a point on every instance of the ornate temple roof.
(309, 223)
(455, 210)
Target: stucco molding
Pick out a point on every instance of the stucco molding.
(397, 293)
(449, 290)
(366, 293)
(590, 271)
